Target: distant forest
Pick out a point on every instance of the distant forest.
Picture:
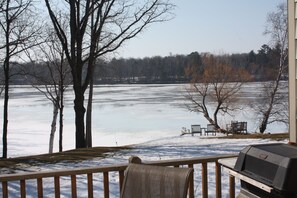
(261, 65)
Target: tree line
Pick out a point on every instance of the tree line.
(261, 66)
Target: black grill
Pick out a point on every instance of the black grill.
(274, 165)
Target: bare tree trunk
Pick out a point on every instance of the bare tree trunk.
(5, 110)
(266, 114)
(264, 122)
(61, 111)
(89, 117)
(53, 128)
(79, 119)
(61, 106)
(90, 99)
(6, 76)
(61, 128)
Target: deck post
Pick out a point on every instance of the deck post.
(292, 69)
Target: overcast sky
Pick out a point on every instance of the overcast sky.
(216, 26)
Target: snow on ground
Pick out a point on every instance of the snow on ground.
(175, 147)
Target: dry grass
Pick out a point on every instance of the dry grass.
(274, 136)
(70, 156)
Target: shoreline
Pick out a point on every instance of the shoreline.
(82, 154)
(73, 155)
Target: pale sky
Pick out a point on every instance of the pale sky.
(216, 26)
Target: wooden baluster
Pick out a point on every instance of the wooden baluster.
(57, 186)
(204, 181)
(121, 179)
(106, 185)
(90, 185)
(4, 190)
(39, 187)
(73, 186)
(191, 183)
(232, 186)
(218, 180)
(23, 188)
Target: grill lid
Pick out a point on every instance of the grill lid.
(272, 164)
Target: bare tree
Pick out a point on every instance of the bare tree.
(114, 22)
(217, 86)
(52, 80)
(271, 108)
(17, 28)
(53, 86)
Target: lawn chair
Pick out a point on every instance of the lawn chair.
(244, 127)
(237, 127)
(211, 129)
(147, 181)
(196, 129)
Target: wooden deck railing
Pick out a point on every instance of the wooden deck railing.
(106, 170)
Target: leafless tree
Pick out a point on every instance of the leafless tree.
(217, 86)
(272, 107)
(52, 80)
(114, 22)
(17, 28)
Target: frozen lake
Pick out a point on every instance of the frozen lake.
(122, 114)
